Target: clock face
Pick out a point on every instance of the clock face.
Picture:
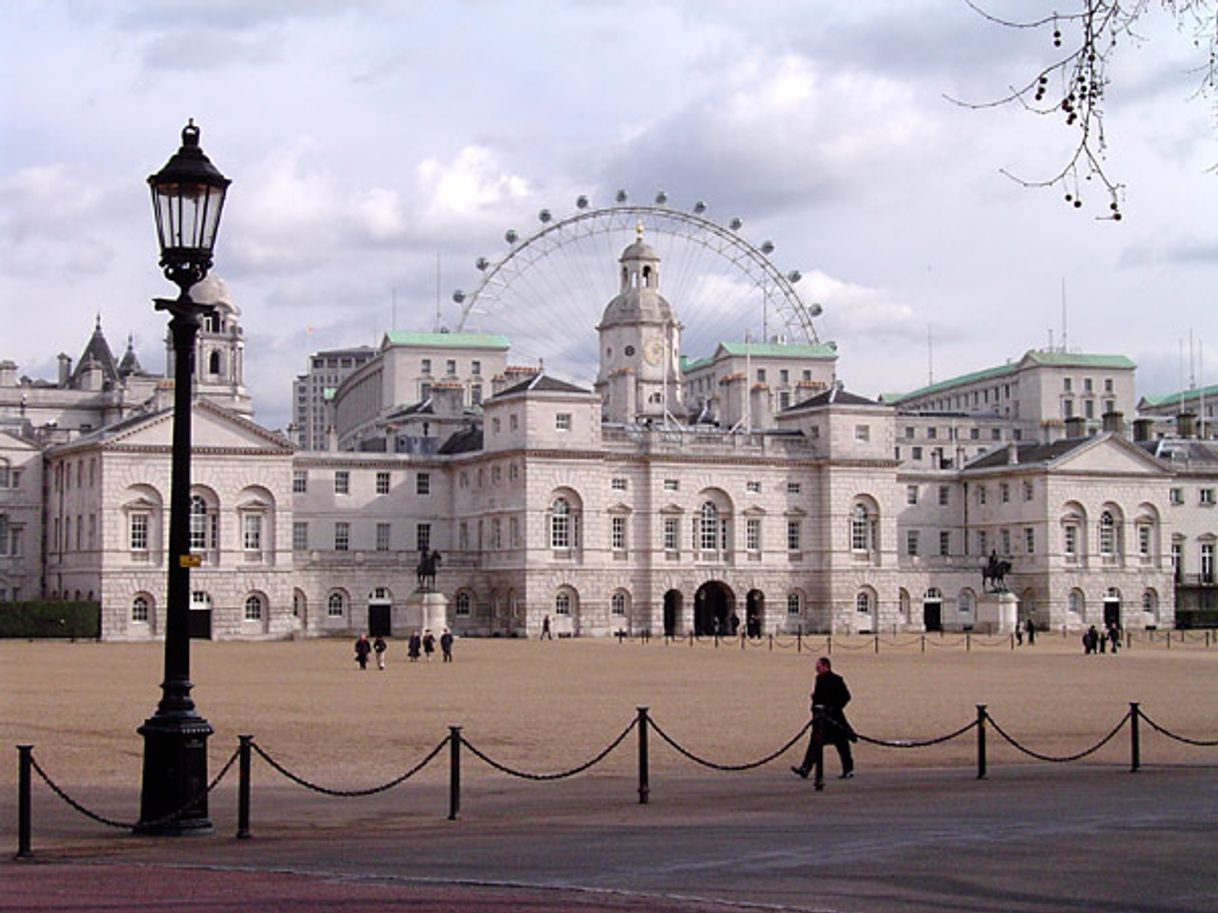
(653, 352)
(629, 351)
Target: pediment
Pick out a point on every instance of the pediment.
(211, 428)
(672, 509)
(1110, 454)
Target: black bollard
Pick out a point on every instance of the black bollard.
(968, 642)
(799, 641)
(644, 778)
(877, 643)
(454, 772)
(923, 643)
(771, 643)
(1135, 744)
(24, 759)
(981, 741)
(243, 787)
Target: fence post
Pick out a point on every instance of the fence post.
(829, 645)
(243, 787)
(24, 758)
(691, 638)
(1135, 742)
(644, 780)
(1169, 638)
(799, 641)
(877, 643)
(771, 643)
(968, 641)
(981, 741)
(923, 643)
(454, 772)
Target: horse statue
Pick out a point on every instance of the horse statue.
(428, 562)
(993, 573)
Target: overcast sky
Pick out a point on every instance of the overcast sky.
(368, 141)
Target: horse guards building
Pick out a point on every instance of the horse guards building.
(677, 496)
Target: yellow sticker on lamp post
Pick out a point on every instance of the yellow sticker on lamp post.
(190, 560)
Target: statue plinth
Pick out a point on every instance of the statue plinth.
(426, 608)
(998, 611)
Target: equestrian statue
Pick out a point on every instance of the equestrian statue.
(993, 572)
(428, 562)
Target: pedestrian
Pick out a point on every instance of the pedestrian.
(1114, 637)
(429, 643)
(446, 646)
(380, 647)
(1019, 635)
(545, 629)
(362, 649)
(829, 724)
(1091, 639)
(1031, 628)
(413, 646)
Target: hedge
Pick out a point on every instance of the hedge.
(50, 619)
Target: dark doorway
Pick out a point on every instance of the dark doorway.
(754, 613)
(932, 615)
(378, 620)
(672, 612)
(1112, 612)
(713, 607)
(200, 624)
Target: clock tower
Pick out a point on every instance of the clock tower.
(639, 336)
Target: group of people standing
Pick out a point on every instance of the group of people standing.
(417, 645)
(1095, 642)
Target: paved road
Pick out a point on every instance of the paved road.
(1029, 839)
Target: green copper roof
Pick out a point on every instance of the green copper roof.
(780, 350)
(1050, 359)
(1186, 395)
(447, 340)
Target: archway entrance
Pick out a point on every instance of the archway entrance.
(932, 610)
(672, 612)
(1112, 609)
(713, 606)
(754, 613)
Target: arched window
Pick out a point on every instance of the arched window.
(862, 528)
(299, 603)
(617, 603)
(213, 363)
(139, 609)
(1074, 603)
(336, 605)
(463, 603)
(1107, 534)
(795, 603)
(965, 602)
(560, 524)
(253, 607)
(862, 602)
(562, 604)
(198, 523)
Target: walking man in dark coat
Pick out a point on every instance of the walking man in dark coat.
(829, 700)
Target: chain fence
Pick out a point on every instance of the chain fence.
(640, 726)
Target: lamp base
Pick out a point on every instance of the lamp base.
(173, 799)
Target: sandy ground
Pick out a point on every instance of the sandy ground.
(547, 706)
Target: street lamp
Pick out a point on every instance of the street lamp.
(187, 198)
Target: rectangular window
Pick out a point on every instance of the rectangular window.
(1006, 541)
(495, 425)
(618, 484)
(752, 487)
(422, 483)
(793, 607)
(1207, 562)
(1144, 541)
(932, 433)
(342, 482)
(422, 537)
(945, 495)
(251, 532)
(382, 537)
(382, 483)
(909, 433)
(496, 534)
(1087, 386)
(426, 367)
(475, 367)
(792, 488)
(1068, 408)
(1107, 384)
(1029, 540)
(300, 535)
(981, 494)
(513, 422)
(671, 532)
(1004, 492)
(862, 432)
(342, 536)
(1028, 491)
(672, 485)
(617, 534)
(139, 533)
(300, 481)
(450, 366)
(1067, 385)
(911, 543)
(784, 376)
(1089, 408)
(562, 421)
(761, 375)
(974, 434)
(917, 453)
(1207, 497)
(752, 534)
(996, 434)
(793, 530)
(1070, 540)
(514, 531)
(463, 535)
(911, 494)
(945, 542)
(475, 394)
(1176, 495)
(983, 542)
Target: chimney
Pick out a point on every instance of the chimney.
(1114, 422)
(1012, 454)
(1076, 426)
(8, 373)
(1186, 424)
(65, 369)
(1141, 428)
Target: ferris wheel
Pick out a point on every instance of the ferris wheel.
(548, 290)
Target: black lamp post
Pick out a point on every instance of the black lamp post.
(187, 197)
